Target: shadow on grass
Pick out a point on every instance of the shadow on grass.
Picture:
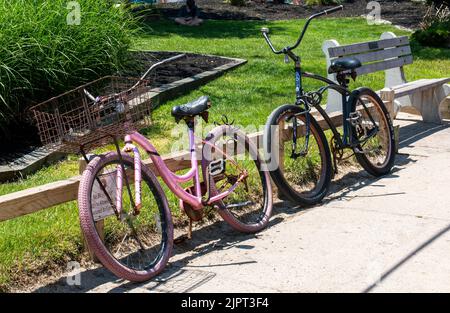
(209, 30)
(210, 15)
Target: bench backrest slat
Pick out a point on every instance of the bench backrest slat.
(369, 46)
(383, 54)
(376, 55)
(387, 64)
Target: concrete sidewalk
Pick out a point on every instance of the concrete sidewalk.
(390, 234)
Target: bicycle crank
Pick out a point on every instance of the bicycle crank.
(365, 151)
(194, 215)
(338, 154)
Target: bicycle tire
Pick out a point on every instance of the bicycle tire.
(94, 240)
(362, 158)
(278, 177)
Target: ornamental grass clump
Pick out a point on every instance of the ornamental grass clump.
(49, 47)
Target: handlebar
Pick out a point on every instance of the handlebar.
(265, 31)
(332, 10)
(179, 56)
(96, 99)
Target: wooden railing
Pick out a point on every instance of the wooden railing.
(42, 197)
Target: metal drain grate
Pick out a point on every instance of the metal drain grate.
(181, 281)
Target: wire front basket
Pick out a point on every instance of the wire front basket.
(91, 115)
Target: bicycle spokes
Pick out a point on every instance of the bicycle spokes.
(295, 130)
(371, 131)
(234, 168)
(301, 169)
(131, 238)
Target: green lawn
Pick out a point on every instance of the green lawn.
(247, 95)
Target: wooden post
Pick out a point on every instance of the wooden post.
(281, 139)
(388, 97)
(98, 225)
(397, 137)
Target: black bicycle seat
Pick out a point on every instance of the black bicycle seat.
(343, 64)
(191, 109)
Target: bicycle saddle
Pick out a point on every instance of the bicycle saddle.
(191, 109)
(342, 64)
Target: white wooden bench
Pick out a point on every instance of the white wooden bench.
(390, 54)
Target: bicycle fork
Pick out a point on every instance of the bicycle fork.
(299, 96)
(304, 150)
(137, 180)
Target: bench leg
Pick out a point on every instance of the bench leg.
(443, 93)
(427, 102)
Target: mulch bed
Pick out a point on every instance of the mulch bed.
(188, 66)
(401, 12)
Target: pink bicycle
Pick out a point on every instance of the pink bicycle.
(123, 196)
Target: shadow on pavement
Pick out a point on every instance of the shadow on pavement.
(179, 276)
(408, 257)
(409, 134)
(418, 130)
(214, 237)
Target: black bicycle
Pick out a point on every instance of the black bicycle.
(296, 147)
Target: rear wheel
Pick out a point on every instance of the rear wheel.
(375, 132)
(303, 177)
(249, 206)
(134, 247)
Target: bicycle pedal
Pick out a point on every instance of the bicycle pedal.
(354, 118)
(239, 205)
(363, 151)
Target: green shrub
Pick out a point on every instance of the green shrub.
(41, 55)
(436, 35)
(435, 26)
(439, 2)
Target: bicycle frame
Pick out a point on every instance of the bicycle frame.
(171, 179)
(343, 140)
(300, 100)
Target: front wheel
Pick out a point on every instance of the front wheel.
(133, 247)
(373, 131)
(304, 175)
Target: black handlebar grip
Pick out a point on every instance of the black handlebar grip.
(341, 7)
